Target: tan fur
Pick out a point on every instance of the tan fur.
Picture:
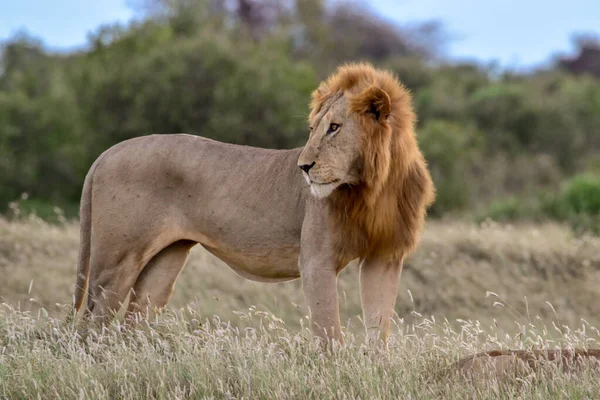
(506, 365)
(148, 201)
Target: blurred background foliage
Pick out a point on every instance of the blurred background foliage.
(499, 144)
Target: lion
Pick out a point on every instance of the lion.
(359, 189)
(507, 365)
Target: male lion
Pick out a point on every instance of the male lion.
(359, 189)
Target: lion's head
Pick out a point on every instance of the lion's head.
(362, 156)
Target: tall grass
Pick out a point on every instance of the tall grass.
(467, 289)
(454, 267)
(186, 355)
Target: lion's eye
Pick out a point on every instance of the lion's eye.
(333, 128)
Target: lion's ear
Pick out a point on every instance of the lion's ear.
(374, 101)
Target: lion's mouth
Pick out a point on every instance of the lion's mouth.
(322, 190)
(325, 183)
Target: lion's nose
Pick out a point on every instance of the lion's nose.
(307, 167)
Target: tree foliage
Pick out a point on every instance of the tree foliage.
(242, 71)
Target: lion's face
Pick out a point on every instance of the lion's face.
(332, 154)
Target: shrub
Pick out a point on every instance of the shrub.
(509, 209)
(581, 195)
(450, 150)
(576, 203)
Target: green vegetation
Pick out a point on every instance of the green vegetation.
(580, 195)
(245, 75)
(577, 203)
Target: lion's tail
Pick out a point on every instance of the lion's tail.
(85, 216)
(83, 265)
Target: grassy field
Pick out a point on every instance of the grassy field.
(468, 288)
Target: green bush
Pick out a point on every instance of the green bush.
(578, 195)
(513, 209)
(263, 102)
(504, 113)
(581, 195)
(450, 150)
(576, 203)
(509, 209)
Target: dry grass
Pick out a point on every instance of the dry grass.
(191, 353)
(449, 275)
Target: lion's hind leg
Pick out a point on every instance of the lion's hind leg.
(111, 280)
(154, 285)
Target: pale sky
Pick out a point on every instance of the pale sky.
(517, 34)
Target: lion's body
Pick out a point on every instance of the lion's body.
(147, 201)
(244, 204)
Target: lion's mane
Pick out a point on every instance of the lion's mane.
(384, 215)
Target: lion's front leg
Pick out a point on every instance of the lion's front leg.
(320, 291)
(379, 279)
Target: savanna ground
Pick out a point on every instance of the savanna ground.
(468, 288)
